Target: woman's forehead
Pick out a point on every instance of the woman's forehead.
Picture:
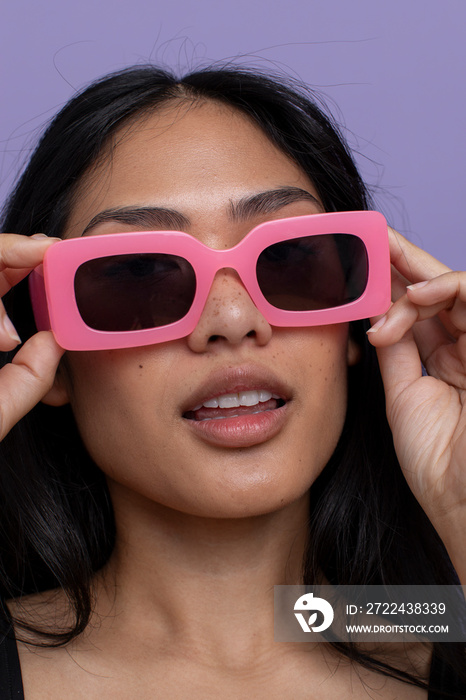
(186, 157)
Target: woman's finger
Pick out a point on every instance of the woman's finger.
(400, 365)
(11, 277)
(27, 379)
(413, 263)
(19, 255)
(9, 337)
(447, 287)
(398, 284)
(23, 251)
(444, 296)
(399, 319)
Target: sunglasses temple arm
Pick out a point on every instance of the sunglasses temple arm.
(39, 299)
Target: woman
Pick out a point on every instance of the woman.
(144, 527)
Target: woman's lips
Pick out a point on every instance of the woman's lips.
(233, 414)
(239, 427)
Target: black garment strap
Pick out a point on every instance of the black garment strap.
(11, 685)
(446, 679)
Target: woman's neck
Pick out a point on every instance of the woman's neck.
(208, 581)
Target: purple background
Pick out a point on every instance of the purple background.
(393, 73)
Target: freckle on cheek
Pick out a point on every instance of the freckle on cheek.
(140, 366)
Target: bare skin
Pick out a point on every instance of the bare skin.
(184, 607)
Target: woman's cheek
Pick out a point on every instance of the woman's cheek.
(126, 405)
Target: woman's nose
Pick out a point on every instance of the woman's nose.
(229, 316)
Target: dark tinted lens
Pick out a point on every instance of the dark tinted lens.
(314, 272)
(135, 291)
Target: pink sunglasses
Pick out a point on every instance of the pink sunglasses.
(130, 289)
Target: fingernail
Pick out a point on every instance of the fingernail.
(11, 330)
(43, 236)
(418, 285)
(377, 325)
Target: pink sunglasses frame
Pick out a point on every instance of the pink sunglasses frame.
(52, 283)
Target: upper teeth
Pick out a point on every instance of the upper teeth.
(242, 398)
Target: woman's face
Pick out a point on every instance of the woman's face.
(208, 170)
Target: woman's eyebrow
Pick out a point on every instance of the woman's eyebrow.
(270, 201)
(245, 208)
(146, 218)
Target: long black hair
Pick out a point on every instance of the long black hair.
(56, 519)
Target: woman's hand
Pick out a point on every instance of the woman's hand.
(427, 414)
(28, 378)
